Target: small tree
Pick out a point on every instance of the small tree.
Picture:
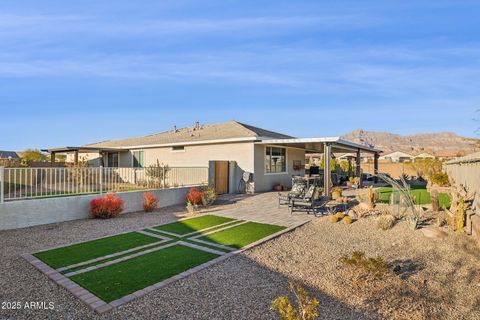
(158, 172)
(34, 155)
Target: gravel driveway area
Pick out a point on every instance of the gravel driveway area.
(440, 278)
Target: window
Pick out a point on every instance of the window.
(112, 159)
(275, 160)
(178, 148)
(138, 159)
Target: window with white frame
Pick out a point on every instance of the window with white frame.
(138, 159)
(275, 160)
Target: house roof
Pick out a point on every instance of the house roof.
(397, 153)
(232, 130)
(8, 154)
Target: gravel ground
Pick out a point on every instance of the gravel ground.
(440, 279)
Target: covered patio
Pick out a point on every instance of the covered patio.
(76, 151)
(327, 146)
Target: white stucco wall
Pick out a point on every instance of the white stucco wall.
(265, 181)
(27, 213)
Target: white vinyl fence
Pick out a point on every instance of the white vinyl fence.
(31, 183)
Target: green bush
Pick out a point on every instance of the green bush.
(440, 179)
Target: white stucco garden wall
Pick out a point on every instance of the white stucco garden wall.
(27, 213)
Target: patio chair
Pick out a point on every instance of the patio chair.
(308, 202)
(298, 189)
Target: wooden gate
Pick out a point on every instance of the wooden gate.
(221, 177)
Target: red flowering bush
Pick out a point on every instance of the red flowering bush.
(149, 202)
(194, 196)
(109, 206)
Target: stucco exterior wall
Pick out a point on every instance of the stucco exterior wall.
(200, 155)
(264, 181)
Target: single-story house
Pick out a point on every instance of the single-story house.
(271, 157)
(397, 156)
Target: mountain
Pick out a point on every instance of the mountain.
(436, 143)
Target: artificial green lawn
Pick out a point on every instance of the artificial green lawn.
(421, 196)
(242, 235)
(117, 280)
(85, 251)
(194, 224)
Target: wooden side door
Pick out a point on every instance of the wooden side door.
(221, 177)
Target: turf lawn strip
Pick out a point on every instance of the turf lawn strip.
(421, 196)
(115, 281)
(190, 225)
(242, 235)
(65, 256)
(115, 258)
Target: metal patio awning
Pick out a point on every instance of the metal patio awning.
(317, 145)
(83, 149)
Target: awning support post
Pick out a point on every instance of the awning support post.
(327, 175)
(52, 159)
(358, 170)
(375, 166)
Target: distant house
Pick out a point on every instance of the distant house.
(397, 156)
(270, 157)
(9, 155)
(424, 155)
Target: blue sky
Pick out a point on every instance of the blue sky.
(84, 71)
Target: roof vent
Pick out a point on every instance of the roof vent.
(196, 126)
(175, 130)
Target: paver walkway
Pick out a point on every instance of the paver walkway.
(261, 208)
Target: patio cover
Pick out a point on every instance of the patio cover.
(327, 145)
(77, 150)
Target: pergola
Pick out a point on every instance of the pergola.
(327, 146)
(77, 150)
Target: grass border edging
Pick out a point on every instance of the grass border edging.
(100, 306)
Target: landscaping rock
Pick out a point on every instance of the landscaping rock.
(433, 232)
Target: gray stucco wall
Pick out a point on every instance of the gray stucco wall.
(265, 182)
(27, 213)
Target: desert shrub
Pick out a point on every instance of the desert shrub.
(347, 220)
(340, 215)
(209, 195)
(306, 308)
(194, 196)
(191, 207)
(385, 222)
(106, 207)
(150, 202)
(441, 219)
(333, 219)
(440, 179)
(377, 267)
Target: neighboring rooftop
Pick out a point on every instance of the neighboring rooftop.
(197, 133)
(9, 154)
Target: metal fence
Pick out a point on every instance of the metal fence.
(31, 183)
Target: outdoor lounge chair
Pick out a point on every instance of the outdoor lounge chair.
(308, 202)
(298, 189)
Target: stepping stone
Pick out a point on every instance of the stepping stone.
(433, 232)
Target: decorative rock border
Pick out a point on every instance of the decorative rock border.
(101, 306)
